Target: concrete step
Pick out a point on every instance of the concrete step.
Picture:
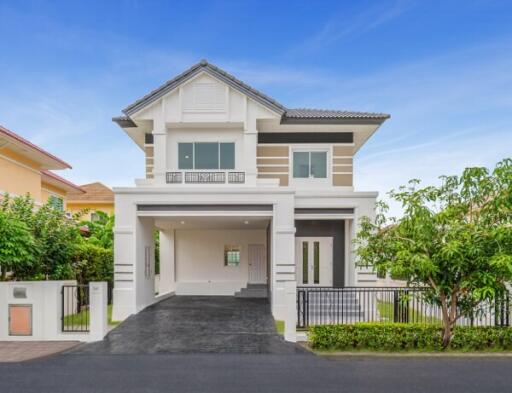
(254, 291)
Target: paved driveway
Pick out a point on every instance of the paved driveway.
(196, 324)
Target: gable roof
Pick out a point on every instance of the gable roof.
(216, 72)
(19, 140)
(287, 115)
(97, 192)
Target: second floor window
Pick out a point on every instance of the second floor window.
(310, 164)
(206, 155)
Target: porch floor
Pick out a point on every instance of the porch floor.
(196, 324)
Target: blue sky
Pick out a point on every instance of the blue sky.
(442, 69)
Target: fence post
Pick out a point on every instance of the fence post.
(98, 293)
(396, 306)
(290, 322)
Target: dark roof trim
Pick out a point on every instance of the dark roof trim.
(204, 66)
(124, 121)
(309, 120)
(305, 137)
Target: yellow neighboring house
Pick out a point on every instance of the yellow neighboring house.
(95, 197)
(26, 168)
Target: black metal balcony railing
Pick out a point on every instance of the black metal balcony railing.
(200, 177)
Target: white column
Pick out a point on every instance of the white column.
(250, 147)
(290, 320)
(284, 305)
(124, 258)
(98, 326)
(167, 279)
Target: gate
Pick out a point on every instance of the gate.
(75, 308)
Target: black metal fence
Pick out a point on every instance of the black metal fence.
(326, 305)
(75, 308)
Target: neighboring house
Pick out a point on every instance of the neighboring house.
(248, 195)
(27, 169)
(95, 197)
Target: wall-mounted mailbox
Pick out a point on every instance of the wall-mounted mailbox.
(19, 292)
(20, 319)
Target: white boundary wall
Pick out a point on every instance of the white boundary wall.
(46, 301)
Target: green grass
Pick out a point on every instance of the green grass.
(82, 318)
(386, 311)
(280, 326)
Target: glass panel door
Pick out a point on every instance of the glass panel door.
(314, 259)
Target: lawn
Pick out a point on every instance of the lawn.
(280, 327)
(81, 318)
(386, 312)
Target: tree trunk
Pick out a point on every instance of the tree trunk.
(447, 331)
(4, 273)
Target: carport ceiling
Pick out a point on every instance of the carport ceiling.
(187, 222)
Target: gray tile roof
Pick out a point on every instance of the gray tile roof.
(287, 115)
(308, 113)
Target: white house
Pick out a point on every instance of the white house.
(249, 197)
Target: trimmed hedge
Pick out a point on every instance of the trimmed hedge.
(407, 337)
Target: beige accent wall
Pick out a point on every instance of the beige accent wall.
(149, 151)
(342, 166)
(342, 180)
(273, 163)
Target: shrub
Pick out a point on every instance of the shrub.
(93, 263)
(404, 337)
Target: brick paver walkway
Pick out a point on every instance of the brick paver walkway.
(19, 351)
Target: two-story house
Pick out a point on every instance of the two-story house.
(249, 196)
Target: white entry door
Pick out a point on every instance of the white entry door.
(257, 264)
(314, 261)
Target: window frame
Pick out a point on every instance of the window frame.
(232, 248)
(218, 155)
(311, 180)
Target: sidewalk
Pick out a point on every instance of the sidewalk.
(19, 351)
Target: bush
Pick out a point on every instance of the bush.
(93, 263)
(405, 337)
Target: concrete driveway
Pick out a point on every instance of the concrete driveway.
(196, 324)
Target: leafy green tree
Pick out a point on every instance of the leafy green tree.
(455, 239)
(100, 231)
(54, 237)
(16, 245)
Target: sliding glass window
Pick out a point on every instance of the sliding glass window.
(308, 164)
(206, 155)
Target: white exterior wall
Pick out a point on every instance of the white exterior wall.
(46, 301)
(200, 266)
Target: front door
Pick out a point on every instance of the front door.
(257, 264)
(314, 261)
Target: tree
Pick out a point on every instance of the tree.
(54, 237)
(455, 239)
(16, 245)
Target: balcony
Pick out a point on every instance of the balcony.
(201, 177)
